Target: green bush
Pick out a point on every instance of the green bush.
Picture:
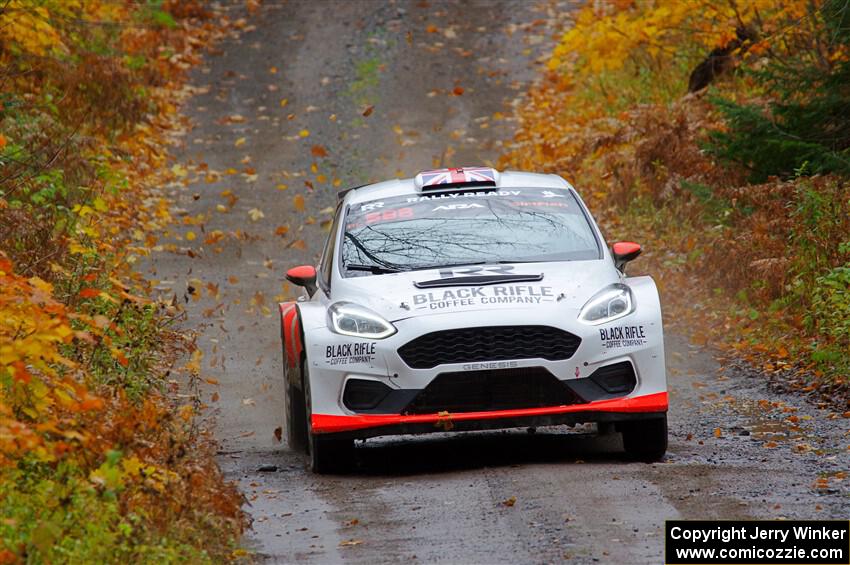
(805, 129)
(56, 515)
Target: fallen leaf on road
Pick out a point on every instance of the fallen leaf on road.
(351, 542)
(509, 502)
(298, 202)
(283, 102)
(304, 133)
(239, 142)
(319, 151)
(457, 91)
(281, 230)
(255, 214)
(368, 111)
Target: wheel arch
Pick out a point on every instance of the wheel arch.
(292, 341)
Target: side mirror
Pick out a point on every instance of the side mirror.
(625, 251)
(305, 276)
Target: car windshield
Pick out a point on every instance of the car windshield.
(437, 230)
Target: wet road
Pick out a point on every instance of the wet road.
(278, 117)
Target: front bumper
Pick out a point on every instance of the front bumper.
(334, 360)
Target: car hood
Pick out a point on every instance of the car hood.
(395, 296)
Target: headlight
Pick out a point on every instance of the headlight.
(610, 303)
(350, 319)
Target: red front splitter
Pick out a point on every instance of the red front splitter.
(333, 423)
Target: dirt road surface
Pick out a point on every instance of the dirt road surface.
(439, 78)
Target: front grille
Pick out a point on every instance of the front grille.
(500, 389)
(493, 343)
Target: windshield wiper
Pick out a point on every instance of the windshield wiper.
(374, 269)
(447, 265)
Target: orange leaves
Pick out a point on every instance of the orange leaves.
(20, 373)
(298, 203)
(88, 293)
(318, 151)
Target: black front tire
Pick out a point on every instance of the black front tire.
(328, 453)
(295, 412)
(296, 419)
(645, 440)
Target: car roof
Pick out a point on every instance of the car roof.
(401, 187)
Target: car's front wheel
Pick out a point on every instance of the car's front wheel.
(328, 453)
(645, 440)
(295, 412)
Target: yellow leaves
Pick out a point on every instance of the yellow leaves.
(609, 37)
(304, 133)
(100, 204)
(194, 365)
(239, 142)
(27, 27)
(283, 102)
(255, 214)
(179, 171)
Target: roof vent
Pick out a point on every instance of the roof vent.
(460, 177)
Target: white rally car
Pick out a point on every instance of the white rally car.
(469, 299)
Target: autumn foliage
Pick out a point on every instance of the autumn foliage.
(642, 107)
(98, 460)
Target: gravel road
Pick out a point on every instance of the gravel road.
(439, 78)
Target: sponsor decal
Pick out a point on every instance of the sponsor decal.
(470, 271)
(622, 336)
(490, 365)
(464, 194)
(371, 206)
(350, 353)
(460, 206)
(550, 204)
(550, 194)
(482, 296)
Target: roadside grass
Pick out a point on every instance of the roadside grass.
(759, 267)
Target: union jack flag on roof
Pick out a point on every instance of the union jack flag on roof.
(457, 175)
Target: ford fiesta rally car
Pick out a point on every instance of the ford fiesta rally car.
(469, 299)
